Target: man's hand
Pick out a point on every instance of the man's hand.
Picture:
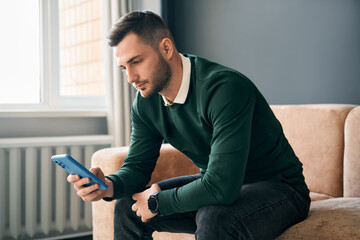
(141, 204)
(90, 193)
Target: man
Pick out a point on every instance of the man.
(251, 184)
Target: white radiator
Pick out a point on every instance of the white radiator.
(36, 201)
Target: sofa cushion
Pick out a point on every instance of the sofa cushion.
(319, 196)
(337, 218)
(316, 133)
(172, 236)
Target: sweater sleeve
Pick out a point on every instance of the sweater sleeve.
(230, 102)
(140, 162)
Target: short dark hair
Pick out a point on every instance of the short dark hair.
(149, 26)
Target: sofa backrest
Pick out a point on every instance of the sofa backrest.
(316, 133)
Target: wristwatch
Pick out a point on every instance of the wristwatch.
(153, 204)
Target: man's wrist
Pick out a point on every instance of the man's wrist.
(153, 203)
(110, 190)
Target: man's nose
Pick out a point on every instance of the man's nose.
(132, 76)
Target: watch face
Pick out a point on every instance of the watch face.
(152, 204)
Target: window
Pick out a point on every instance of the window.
(53, 55)
(20, 52)
(81, 57)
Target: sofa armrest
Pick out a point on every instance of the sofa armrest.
(109, 159)
(352, 154)
(171, 163)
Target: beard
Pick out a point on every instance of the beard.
(161, 78)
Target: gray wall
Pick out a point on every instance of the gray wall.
(295, 51)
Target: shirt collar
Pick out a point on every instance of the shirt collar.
(185, 83)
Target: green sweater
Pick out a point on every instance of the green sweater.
(225, 127)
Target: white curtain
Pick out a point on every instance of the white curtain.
(120, 93)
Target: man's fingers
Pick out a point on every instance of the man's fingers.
(73, 178)
(92, 196)
(134, 207)
(80, 183)
(88, 193)
(135, 196)
(96, 171)
(84, 191)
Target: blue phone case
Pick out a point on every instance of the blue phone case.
(75, 168)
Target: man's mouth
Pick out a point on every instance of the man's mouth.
(139, 86)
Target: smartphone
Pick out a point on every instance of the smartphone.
(75, 168)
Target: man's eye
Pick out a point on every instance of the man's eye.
(123, 69)
(136, 62)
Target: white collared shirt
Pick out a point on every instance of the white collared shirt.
(185, 83)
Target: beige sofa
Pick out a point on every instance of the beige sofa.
(325, 137)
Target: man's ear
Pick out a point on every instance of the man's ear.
(166, 48)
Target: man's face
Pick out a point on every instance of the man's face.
(146, 68)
